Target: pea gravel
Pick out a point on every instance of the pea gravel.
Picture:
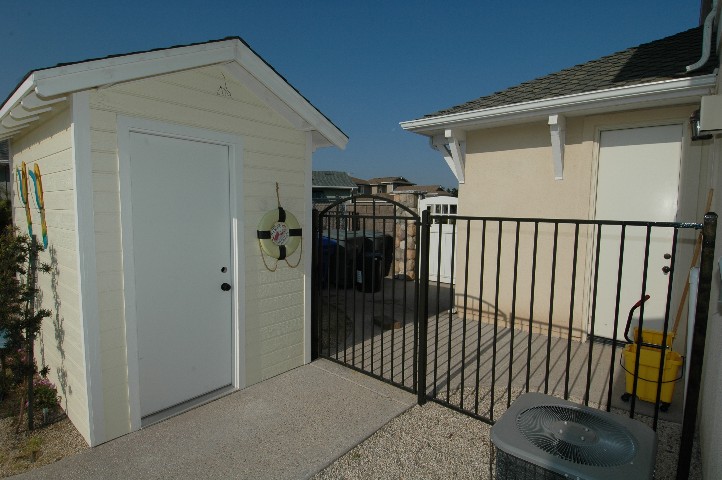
(435, 442)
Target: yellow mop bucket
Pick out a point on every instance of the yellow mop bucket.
(650, 356)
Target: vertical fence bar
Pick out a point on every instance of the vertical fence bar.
(367, 264)
(362, 269)
(594, 314)
(417, 272)
(316, 276)
(513, 314)
(551, 306)
(531, 304)
(622, 238)
(345, 287)
(481, 312)
(451, 312)
(383, 288)
(463, 322)
(640, 336)
(665, 330)
(337, 280)
(423, 309)
(438, 305)
(405, 277)
(354, 266)
(696, 356)
(393, 292)
(496, 321)
(571, 310)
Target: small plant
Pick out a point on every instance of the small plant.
(46, 394)
(32, 447)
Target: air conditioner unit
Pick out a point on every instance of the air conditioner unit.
(543, 437)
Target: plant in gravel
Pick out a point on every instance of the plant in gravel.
(19, 317)
(32, 447)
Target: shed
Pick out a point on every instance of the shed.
(156, 168)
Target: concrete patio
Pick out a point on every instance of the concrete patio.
(288, 427)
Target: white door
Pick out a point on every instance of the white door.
(181, 255)
(441, 237)
(638, 179)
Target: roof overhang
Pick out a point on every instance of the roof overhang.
(42, 90)
(656, 94)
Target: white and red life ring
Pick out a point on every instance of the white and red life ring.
(279, 234)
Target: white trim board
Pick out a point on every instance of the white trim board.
(88, 275)
(125, 126)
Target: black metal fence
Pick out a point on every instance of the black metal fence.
(548, 305)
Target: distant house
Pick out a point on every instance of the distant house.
(424, 190)
(387, 184)
(364, 187)
(329, 186)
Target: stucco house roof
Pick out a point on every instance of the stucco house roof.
(663, 59)
(380, 180)
(41, 89)
(331, 178)
(360, 181)
(420, 189)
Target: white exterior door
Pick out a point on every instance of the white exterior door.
(441, 237)
(181, 233)
(638, 179)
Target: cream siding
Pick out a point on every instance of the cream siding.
(61, 342)
(509, 173)
(272, 152)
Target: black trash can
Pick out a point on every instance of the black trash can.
(342, 262)
(369, 272)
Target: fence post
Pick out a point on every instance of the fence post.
(423, 310)
(696, 356)
(315, 281)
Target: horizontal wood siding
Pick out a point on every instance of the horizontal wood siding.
(60, 344)
(273, 152)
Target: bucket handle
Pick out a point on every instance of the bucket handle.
(629, 318)
(621, 364)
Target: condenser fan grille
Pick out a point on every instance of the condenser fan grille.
(577, 436)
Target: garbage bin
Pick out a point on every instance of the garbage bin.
(328, 254)
(346, 255)
(369, 272)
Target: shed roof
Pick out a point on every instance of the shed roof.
(663, 59)
(331, 178)
(36, 94)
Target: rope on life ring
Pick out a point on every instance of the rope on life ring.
(279, 235)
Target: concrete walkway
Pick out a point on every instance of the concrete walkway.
(288, 427)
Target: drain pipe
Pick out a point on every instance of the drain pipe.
(706, 39)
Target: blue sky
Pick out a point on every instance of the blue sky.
(367, 65)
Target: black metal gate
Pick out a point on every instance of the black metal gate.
(366, 287)
(460, 346)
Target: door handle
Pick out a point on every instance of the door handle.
(666, 269)
(225, 286)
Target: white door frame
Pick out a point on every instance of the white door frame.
(125, 126)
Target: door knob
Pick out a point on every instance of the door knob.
(666, 269)
(225, 287)
(667, 256)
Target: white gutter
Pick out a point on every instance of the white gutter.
(661, 92)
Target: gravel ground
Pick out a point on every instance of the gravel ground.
(435, 442)
(56, 441)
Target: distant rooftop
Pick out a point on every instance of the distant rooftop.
(663, 59)
(331, 178)
(380, 180)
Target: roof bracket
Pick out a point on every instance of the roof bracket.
(452, 145)
(557, 128)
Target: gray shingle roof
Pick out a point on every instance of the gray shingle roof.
(330, 178)
(663, 59)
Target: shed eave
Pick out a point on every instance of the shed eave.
(55, 82)
(666, 92)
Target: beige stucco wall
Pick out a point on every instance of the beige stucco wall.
(509, 173)
(273, 151)
(60, 345)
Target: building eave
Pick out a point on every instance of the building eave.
(662, 93)
(51, 86)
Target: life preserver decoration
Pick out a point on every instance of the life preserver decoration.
(279, 233)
